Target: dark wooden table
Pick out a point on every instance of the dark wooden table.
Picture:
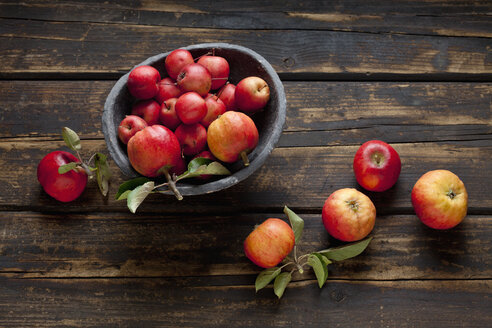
(416, 74)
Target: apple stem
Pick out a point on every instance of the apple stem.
(451, 194)
(172, 185)
(244, 156)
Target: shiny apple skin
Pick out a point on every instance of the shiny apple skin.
(231, 134)
(176, 60)
(440, 199)
(192, 138)
(252, 94)
(190, 108)
(168, 116)
(63, 187)
(148, 110)
(348, 215)
(218, 68)
(376, 165)
(167, 90)
(152, 148)
(226, 94)
(269, 243)
(142, 82)
(194, 77)
(130, 125)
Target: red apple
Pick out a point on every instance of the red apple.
(148, 110)
(218, 68)
(215, 107)
(226, 95)
(168, 116)
(142, 82)
(269, 243)
(231, 136)
(192, 138)
(348, 215)
(129, 126)
(194, 77)
(252, 94)
(439, 199)
(153, 148)
(63, 187)
(376, 165)
(176, 60)
(191, 108)
(167, 89)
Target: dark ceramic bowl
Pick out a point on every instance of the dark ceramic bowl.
(243, 62)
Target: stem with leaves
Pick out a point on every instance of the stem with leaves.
(101, 167)
(319, 260)
(134, 192)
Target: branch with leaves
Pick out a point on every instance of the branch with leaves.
(136, 190)
(318, 261)
(100, 168)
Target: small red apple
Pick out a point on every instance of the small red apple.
(194, 77)
(233, 135)
(226, 95)
(191, 108)
(252, 94)
(129, 126)
(192, 138)
(168, 116)
(218, 68)
(269, 243)
(176, 60)
(142, 82)
(439, 199)
(63, 187)
(148, 110)
(348, 215)
(215, 107)
(376, 165)
(152, 148)
(167, 89)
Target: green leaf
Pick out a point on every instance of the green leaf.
(203, 166)
(346, 251)
(265, 277)
(296, 222)
(71, 139)
(103, 173)
(130, 185)
(67, 167)
(137, 195)
(124, 195)
(281, 283)
(320, 269)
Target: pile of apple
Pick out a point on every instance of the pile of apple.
(193, 112)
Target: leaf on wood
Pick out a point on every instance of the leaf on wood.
(265, 277)
(71, 139)
(103, 173)
(346, 251)
(316, 261)
(296, 222)
(281, 283)
(137, 195)
(129, 186)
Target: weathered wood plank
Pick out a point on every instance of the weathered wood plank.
(313, 173)
(417, 17)
(318, 113)
(38, 47)
(218, 303)
(38, 245)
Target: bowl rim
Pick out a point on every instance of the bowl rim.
(111, 139)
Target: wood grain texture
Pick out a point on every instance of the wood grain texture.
(36, 245)
(313, 173)
(318, 113)
(214, 302)
(67, 49)
(416, 17)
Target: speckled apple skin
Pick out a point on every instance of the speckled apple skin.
(343, 221)
(432, 204)
(269, 243)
